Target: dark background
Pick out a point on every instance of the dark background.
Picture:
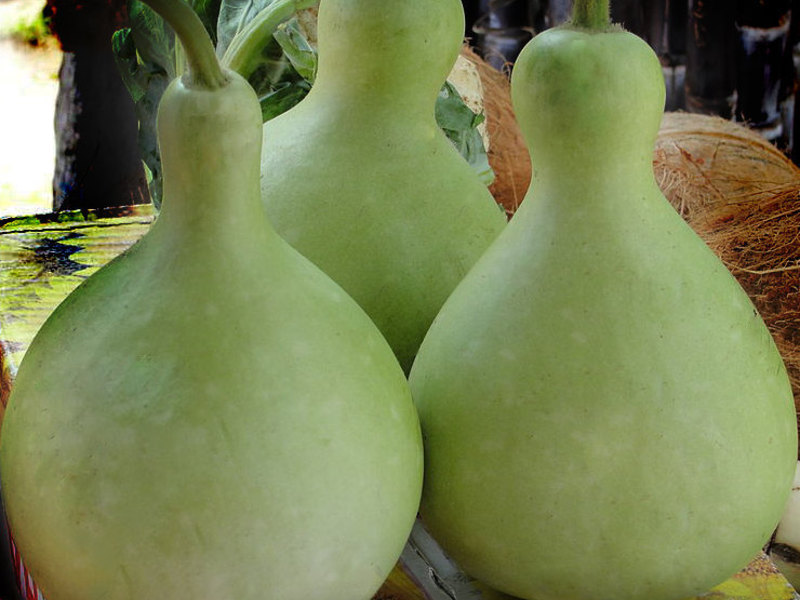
(732, 58)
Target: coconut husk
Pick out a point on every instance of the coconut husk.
(508, 154)
(705, 163)
(742, 196)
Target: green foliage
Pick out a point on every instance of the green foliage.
(297, 49)
(460, 124)
(146, 78)
(208, 11)
(233, 16)
(284, 70)
(153, 39)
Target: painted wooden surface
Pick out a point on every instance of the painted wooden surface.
(43, 258)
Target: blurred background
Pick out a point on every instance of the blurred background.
(69, 128)
(734, 58)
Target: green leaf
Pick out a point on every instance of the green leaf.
(282, 71)
(154, 39)
(278, 86)
(208, 11)
(233, 16)
(146, 110)
(460, 125)
(281, 98)
(301, 54)
(451, 111)
(127, 62)
(145, 56)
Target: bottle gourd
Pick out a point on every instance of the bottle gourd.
(363, 182)
(604, 413)
(209, 415)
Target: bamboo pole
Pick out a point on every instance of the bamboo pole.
(710, 70)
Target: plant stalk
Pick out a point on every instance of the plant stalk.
(203, 69)
(243, 53)
(591, 14)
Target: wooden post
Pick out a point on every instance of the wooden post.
(789, 81)
(503, 28)
(471, 14)
(558, 11)
(629, 14)
(655, 16)
(794, 51)
(763, 63)
(97, 156)
(664, 28)
(538, 15)
(710, 73)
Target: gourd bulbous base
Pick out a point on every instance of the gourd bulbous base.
(360, 179)
(604, 412)
(209, 415)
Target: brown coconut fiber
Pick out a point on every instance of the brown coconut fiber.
(742, 196)
(508, 154)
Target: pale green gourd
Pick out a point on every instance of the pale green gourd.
(363, 182)
(605, 415)
(209, 416)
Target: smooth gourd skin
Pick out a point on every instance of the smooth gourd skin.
(360, 179)
(604, 413)
(209, 416)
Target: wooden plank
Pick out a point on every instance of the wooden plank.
(710, 69)
(42, 259)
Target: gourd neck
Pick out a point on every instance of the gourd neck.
(583, 113)
(209, 133)
(614, 176)
(591, 14)
(388, 56)
(373, 99)
(210, 144)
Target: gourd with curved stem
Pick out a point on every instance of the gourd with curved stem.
(209, 415)
(365, 183)
(605, 414)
